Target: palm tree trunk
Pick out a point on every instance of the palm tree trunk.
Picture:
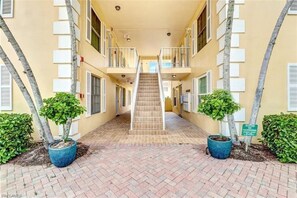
(28, 71)
(264, 67)
(10, 67)
(226, 66)
(73, 60)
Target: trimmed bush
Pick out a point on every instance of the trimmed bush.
(15, 135)
(280, 135)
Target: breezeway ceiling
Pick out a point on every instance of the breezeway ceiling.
(148, 21)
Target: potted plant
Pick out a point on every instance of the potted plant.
(61, 109)
(217, 105)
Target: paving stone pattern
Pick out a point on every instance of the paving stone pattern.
(118, 166)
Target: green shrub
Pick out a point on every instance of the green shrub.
(218, 104)
(280, 135)
(62, 108)
(15, 135)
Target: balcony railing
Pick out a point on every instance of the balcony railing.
(175, 57)
(123, 57)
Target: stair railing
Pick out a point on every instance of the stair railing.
(162, 97)
(175, 57)
(134, 94)
(123, 57)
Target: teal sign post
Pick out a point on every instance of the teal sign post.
(249, 130)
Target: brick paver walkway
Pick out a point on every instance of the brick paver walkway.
(117, 131)
(117, 169)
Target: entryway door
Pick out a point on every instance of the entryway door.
(117, 100)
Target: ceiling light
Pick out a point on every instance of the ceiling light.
(128, 39)
(173, 76)
(118, 8)
(168, 34)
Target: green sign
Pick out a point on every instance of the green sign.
(249, 130)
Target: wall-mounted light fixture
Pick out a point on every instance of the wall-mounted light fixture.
(123, 75)
(127, 37)
(117, 7)
(173, 76)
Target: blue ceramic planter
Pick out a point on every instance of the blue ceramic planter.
(219, 149)
(62, 157)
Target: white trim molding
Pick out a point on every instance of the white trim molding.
(62, 55)
(237, 56)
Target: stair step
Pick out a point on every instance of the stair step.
(148, 103)
(148, 114)
(148, 119)
(147, 91)
(148, 85)
(146, 98)
(148, 132)
(144, 94)
(148, 108)
(147, 125)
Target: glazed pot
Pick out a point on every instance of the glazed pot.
(62, 157)
(219, 149)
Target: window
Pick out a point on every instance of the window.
(293, 8)
(96, 32)
(292, 87)
(95, 95)
(124, 96)
(6, 8)
(201, 86)
(201, 30)
(5, 89)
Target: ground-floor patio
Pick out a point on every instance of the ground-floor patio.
(168, 164)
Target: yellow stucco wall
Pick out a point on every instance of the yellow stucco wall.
(200, 63)
(35, 36)
(259, 23)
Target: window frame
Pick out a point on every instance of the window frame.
(11, 14)
(93, 86)
(208, 76)
(289, 85)
(94, 30)
(292, 12)
(9, 86)
(203, 30)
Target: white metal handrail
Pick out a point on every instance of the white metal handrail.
(175, 57)
(162, 97)
(123, 57)
(134, 94)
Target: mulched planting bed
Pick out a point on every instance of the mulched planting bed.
(38, 155)
(256, 153)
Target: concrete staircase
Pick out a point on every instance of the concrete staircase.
(148, 110)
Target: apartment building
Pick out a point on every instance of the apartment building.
(182, 41)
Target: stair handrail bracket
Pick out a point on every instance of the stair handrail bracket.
(134, 93)
(162, 97)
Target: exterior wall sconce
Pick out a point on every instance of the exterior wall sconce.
(117, 7)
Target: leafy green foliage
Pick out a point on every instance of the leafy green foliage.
(61, 107)
(280, 135)
(218, 104)
(15, 135)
